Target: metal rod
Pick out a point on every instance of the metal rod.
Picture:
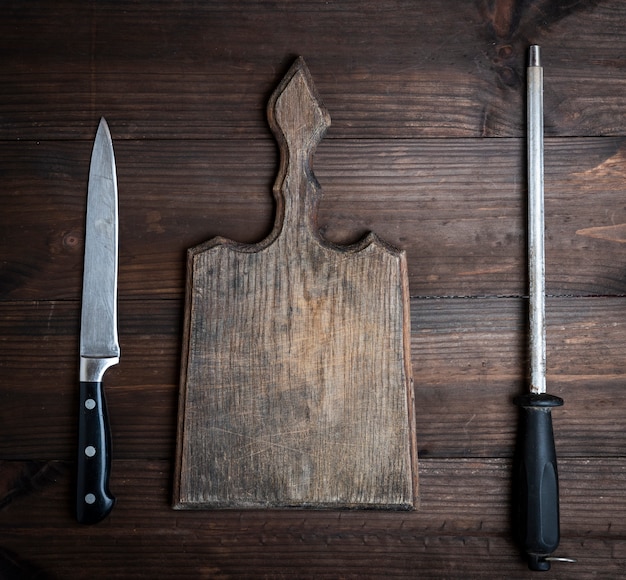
(536, 253)
(536, 481)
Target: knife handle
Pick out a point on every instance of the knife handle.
(93, 498)
(537, 487)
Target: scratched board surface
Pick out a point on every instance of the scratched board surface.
(427, 150)
(296, 386)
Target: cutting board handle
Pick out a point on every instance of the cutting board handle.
(299, 121)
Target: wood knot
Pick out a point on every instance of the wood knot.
(509, 76)
(71, 240)
(505, 51)
(65, 242)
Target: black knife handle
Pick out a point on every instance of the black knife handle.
(93, 499)
(536, 480)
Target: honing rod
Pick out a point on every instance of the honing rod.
(536, 484)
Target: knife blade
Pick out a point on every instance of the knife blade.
(99, 346)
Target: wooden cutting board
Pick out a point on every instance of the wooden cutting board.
(296, 384)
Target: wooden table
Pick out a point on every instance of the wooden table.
(427, 149)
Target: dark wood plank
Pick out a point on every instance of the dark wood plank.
(460, 529)
(39, 375)
(468, 360)
(456, 206)
(459, 497)
(413, 89)
(399, 69)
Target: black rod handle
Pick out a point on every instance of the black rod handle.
(93, 499)
(536, 485)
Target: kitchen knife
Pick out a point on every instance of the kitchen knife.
(99, 347)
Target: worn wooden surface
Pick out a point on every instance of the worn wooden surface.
(427, 150)
(296, 386)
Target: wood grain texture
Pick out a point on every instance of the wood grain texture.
(457, 207)
(460, 530)
(427, 150)
(296, 382)
(465, 412)
(460, 76)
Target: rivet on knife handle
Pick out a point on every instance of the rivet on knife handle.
(99, 347)
(536, 478)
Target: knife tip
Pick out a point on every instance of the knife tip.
(103, 132)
